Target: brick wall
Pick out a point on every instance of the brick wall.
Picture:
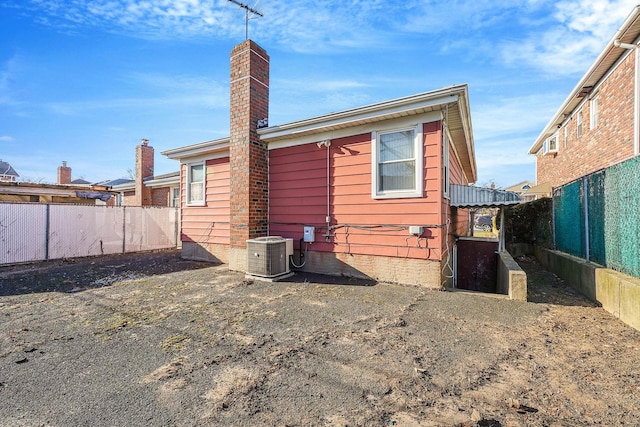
(160, 196)
(248, 155)
(144, 169)
(64, 174)
(610, 142)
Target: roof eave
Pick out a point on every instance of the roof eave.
(369, 113)
(199, 149)
(591, 77)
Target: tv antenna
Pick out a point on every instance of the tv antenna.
(247, 10)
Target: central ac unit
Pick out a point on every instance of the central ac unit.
(268, 257)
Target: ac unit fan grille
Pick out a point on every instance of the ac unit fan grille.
(267, 256)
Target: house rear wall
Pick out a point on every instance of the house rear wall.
(205, 229)
(368, 236)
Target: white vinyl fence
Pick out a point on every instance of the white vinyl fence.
(36, 232)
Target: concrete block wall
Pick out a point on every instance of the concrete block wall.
(616, 292)
(512, 280)
(409, 271)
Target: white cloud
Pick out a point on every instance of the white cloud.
(499, 117)
(6, 138)
(574, 35)
(175, 90)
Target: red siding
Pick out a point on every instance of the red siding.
(362, 225)
(459, 217)
(209, 223)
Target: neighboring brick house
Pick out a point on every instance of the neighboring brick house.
(372, 181)
(598, 124)
(147, 189)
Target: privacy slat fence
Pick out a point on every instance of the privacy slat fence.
(597, 217)
(37, 232)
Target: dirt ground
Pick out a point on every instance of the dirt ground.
(153, 340)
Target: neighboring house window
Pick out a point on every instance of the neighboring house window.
(175, 197)
(120, 201)
(579, 123)
(566, 136)
(593, 122)
(551, 145)
(445, 166)
(195, 184)
(397, 163)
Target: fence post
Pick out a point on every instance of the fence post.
(553, 216)
(47, 227)
(176, 234)
(585, 190)
(124, 229)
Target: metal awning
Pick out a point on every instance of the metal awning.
(465, 196)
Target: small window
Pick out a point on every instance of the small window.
(195, 184)
(566, 136)
(175, 197)
(593, 121)
(579, 127)
(397, 163)
(551, 145)
(445, 166)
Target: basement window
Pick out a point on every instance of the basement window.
(397, 163)
(195, 184)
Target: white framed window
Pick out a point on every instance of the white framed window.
(446, 178)
(195, 184)
(593, 112)
(175, 197)
(397, 165)
(566, 136)
(550, 145)
(579, 127)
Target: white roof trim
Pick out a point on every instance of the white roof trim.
(197, 150)
(370, 113)
(164, 182)
(587, 80)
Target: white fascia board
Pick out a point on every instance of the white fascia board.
(163, 182)
(558, 117)
(127, 186)
(199, 150)
(383, 124)
(370, 113)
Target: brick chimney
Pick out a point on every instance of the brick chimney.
(247, 154)
(64, 174)
(144, 169)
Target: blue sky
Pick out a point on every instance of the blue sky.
(84, 80)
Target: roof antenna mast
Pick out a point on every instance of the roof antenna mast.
(247, 10)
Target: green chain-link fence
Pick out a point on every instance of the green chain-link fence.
(597, 217)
